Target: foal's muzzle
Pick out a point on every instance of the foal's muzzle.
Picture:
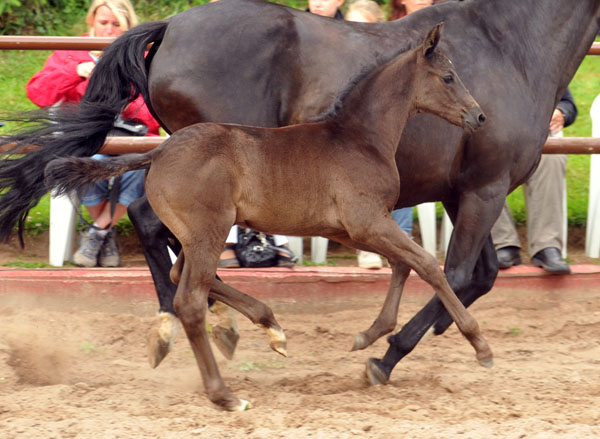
(473, 118)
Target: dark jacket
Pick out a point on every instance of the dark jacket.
(567, 107)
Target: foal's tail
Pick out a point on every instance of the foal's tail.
(74, 173)
(118, 78)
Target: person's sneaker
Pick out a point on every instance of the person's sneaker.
(109, 252)
(369, 260)
(89, 248)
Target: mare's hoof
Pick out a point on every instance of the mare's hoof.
(160, 340)
(225, 340)
(360, 342)
(375, 373)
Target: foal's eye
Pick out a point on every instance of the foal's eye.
(448, 79)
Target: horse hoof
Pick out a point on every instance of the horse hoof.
(225, 340)
(360, 342)
(278, 341)
(280, 347)
(243, 406)
(157, 348)
(160, 340)
(375, 373)
(488, 362)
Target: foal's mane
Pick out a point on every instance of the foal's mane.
(338, 103)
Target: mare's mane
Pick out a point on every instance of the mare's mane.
(365, 72)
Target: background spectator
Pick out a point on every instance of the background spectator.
(64, 79)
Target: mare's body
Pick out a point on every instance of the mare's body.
(262, 64)
(349, 189)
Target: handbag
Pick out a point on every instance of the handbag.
(128, 127)
(255, 249)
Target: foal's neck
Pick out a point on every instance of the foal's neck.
(381, 103)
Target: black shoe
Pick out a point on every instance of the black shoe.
(508, 256)
(551, 260)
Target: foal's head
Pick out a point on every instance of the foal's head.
(440, 91)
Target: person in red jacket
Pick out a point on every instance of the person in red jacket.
(64, 79)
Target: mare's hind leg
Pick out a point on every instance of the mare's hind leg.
(386, 238)
(154, 238)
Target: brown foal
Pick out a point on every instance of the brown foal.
(335, 177)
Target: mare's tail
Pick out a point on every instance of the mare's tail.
(118, 78)
(75, 173)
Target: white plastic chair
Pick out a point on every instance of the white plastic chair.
(592, 233)
(318, 245)
(62, 230)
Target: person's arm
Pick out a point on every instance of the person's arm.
(567, 107)
(57, 81)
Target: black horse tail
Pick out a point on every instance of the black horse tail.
(75, 174)
(118, 78)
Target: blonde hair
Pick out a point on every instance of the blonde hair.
(368, 8)
(122, 9)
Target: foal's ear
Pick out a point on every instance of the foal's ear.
(432, 39)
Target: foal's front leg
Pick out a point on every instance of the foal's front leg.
(386, 238)
(388, 316)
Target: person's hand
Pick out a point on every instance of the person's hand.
(557, 122)
(85, 69)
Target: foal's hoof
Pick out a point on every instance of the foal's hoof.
(485, 356)
(278, 341)
(486, 362)
(244, 405)
(225, 340)
(360, 342)
(241, 407)
(375, 373)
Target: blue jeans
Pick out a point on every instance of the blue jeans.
(404, 218)
(132, 188)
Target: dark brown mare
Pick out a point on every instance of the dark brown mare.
(262, 64)
(335, 178)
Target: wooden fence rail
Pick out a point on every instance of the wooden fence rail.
(120, 145)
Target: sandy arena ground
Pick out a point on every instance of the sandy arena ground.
(75, 367)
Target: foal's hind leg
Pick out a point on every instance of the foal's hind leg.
(258, 313)
(191, 306)
(225, 335)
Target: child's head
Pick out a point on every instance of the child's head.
(366, 11)
(326, 8)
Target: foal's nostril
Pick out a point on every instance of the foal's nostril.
(481, 118)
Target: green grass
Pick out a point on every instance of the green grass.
(16, 67)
